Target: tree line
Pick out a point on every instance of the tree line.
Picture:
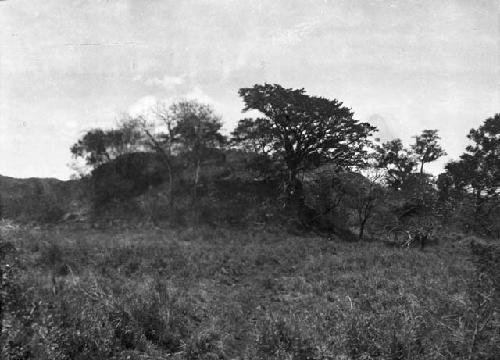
(297, 133)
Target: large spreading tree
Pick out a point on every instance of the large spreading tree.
(302, 130)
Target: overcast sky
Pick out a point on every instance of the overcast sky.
(67, 66)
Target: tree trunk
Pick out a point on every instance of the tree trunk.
(362, 229)
(167, 164)
(295, 192)
(170, 193)
(422, 168)
(166, 160)
(195, 190)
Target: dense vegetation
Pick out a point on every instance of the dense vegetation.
(225, 294)
(293, 238)
(278, 165)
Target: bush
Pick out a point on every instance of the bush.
(53, 214)
(127, 176)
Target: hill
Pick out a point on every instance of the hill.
(39, 199)
(234, 188)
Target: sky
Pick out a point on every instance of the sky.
(67, 66)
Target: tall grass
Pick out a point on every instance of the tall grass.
(223, 294)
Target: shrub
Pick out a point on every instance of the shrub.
(52, 214)
(127, 176)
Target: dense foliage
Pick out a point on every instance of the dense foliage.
(303, 131)
(471, 184)
(398, 162)
(427, 148)
(99, 146)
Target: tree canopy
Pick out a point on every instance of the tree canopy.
(301, 129)
(253, 135)
(473, 181)
(427, 148)
(398, 161)
(98, 146)
(197, 128)
(478, 168)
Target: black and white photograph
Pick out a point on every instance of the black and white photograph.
(250, 180)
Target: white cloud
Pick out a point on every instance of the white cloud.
(142, 106)
(295, 34)
(196, 93)
(167, 82)
(389, 127)
(145, 103)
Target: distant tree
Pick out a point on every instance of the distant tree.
(196, 134)
(93, 147)
(197, 129)
(450, 194)
(477, 172)
(453, 183)
(302, 130)
(166, 116)
(99, 146)
(398, 162)
(427, 148)
(482, 158)
(478, 169)
(186, 128)
(157, 136)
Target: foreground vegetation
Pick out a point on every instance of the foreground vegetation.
(154, 293)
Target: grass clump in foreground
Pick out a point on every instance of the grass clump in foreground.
(223, 294)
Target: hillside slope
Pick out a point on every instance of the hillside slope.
(32, 198)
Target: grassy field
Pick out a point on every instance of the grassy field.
(153, 293)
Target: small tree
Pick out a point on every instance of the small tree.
(427, 148)
(93, 147)
(477, 173)
(398, 162)
(166, 115)
(159, 141)
(365, 200)
(196, 132)
(99, 146)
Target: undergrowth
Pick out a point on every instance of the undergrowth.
(225, 294)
